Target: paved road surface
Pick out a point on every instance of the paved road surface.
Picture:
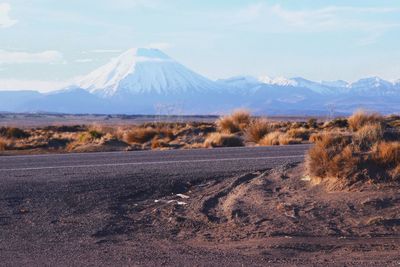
(93, 165)
(53, 207)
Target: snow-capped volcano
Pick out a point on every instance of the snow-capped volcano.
(147, 81)
(144, 70)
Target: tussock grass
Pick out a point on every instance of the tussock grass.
(386, 154)
(361, 155)
(235, 122)
(223, 140)
(361, 118)
(337, 123)
(299, 133)
(257, 129)
(3, 144)
(368, 135)
(278, 138)
(140, 135)
(11, 132)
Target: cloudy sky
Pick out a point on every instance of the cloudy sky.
(46, 43)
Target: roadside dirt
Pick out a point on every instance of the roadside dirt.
(273, 217)
(269, 218)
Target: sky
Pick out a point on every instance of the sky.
(44, 44)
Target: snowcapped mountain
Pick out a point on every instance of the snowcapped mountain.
(280, 81)
(139, 71)
(374, 86)
(147, 81)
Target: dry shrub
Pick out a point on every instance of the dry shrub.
(395, 173)
(319, 163)
(235, 122)
(299, 133)
(3, 144)
(140, 135)
(223, 140)
(362, 117)
(368, 135)
(386, 154)
(15, 133)
(278, 138)
(257, 129)
(337, 123)
(312, 123)
(316, 137)
(349, 159)
(159, 143)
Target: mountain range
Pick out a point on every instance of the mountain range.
(147, 81)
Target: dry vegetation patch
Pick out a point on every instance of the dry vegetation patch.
(223, 140)
(234, 123)
(361, 118)
(257, 129)
(366, 153)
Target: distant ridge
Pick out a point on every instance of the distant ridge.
(147, 81)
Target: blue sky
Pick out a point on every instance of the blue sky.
(46, 43)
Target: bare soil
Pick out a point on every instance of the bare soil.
(272, 218)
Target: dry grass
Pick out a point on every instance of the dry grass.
(235, 122)
(366, 154)
(3, 144)
(223, 140)
(362, 117)
(278, 138)
(386, 154)
(299, 133)
(368, 135)
(140, 135)
(337, 123)
(328, 154)
(15, 133)
(257, 129)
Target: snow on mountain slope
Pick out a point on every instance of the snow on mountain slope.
(142, 70)
(373, 86)
(281, 81)
(335, 84)
(317, 87)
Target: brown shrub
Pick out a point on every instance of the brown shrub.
(223, 140)
(15, 133)
(362, 117)
(159, 143)
(257, 129)
(314, 137)
(299, 133)
(337, 123)
(140, 135)
(319, 161)
(235, 122)
(395, 173)
(368, 135)
(3, 145)
(312, 123)
(278, 138)
(386, 154)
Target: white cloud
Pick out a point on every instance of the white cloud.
(84, 60)
(11, 57)
(105, 51)
(276, 18)
(41, 86)
(161, 45)
(134, 3)
(5, 20)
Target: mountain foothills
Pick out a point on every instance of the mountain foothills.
(147, 81)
